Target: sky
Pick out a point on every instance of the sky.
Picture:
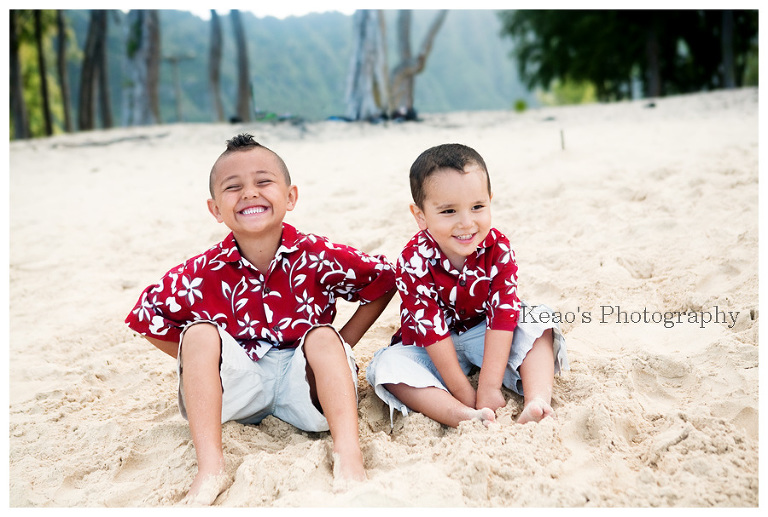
(278, 10)
(286, 8)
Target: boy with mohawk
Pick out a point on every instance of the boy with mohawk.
(250, 320)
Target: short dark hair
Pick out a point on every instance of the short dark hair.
(246, 142)
(450, 156)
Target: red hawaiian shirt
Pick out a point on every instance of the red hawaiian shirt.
(437, 299)
(298, 292)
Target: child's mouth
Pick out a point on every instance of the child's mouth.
(464, 238)
(253, 210)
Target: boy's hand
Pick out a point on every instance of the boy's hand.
(491, 398)
(495, 357)
(465, 394)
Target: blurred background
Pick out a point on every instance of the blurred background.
(75, 70)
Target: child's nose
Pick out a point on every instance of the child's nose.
(465, 220)
(251, 191)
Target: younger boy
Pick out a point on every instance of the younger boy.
(457, 280)
(250, 319)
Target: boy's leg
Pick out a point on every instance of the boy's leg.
(406, 378)
(332, 387)
(439, 405)
(200, 354)
(537, 373)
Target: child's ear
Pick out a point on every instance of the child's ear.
(213, 208)
(293, 196)
(419, 216)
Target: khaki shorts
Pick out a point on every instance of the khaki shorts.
(411, 364)
(274, 385)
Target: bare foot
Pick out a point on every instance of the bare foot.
(485, 415)
(206, 488)
(535, 411)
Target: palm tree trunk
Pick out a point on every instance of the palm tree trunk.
(243, 75)
(214, 66)
(61, 64)
(42, 70)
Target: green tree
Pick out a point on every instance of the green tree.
(42, 70)
(34, 94)
(62, 38)
(665, 51)
(19, 118)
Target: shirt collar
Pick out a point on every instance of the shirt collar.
(289, 243)
(290, 240)
(489, 241)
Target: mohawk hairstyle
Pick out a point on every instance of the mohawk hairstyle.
(243, 140)
(246, 142)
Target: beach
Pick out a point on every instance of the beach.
(637, 222)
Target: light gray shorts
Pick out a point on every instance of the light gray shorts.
(411, 365)
(274, 385)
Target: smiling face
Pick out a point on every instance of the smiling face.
(251, 194)
(456, 211)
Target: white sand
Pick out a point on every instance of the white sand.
(646, 208)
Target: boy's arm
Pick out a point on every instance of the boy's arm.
(443, 354)
(495, 358)
(169, 347)
(364, 317)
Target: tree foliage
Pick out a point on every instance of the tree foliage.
(35, 97)
(61, 67)
(19, 119)
(298, 65)
(666, 52)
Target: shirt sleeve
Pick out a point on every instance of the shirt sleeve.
(357, 276)
(163, 309)
(422, 320)
(503, 305)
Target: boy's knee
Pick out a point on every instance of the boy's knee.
(322, 338)
(201, 339)
(324, 335)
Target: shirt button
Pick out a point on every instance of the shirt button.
(462, 282)
(266, 290)
(462, 311)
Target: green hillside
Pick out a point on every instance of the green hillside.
(299, 65)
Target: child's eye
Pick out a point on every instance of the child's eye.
(448, 211)
(478, 207)
(231, 187)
